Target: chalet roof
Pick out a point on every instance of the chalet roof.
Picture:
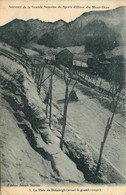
(64, 51)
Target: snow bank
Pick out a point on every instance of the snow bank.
(31, 152)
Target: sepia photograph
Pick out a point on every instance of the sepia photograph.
(62, 98)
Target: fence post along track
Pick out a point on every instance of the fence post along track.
(38, 74)
(50, 96)
(66, 101)
(108, 127)
(37, 68)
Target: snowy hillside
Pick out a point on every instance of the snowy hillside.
(31, 151)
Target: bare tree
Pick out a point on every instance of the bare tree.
(37, 71)
(40, 78)
(108, 127)
(21, 37)
(48, 98)
(96, 79)
(100, 84)
(50, 101)
(66, 101)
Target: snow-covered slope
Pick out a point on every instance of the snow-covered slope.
(86, 122)
(30, 151)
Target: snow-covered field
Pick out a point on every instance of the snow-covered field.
(30, 149)
(88, 118)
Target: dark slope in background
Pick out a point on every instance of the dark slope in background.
(69, 36)
(26, 31)
(107, 25)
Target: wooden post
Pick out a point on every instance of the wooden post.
(41, 79)
(100, 84)
(64, 116)
(50, 102)
(108, 127)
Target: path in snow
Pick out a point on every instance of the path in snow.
(89, 118)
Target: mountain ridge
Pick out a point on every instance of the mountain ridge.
(61, 32)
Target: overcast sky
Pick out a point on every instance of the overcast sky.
(8, 10)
